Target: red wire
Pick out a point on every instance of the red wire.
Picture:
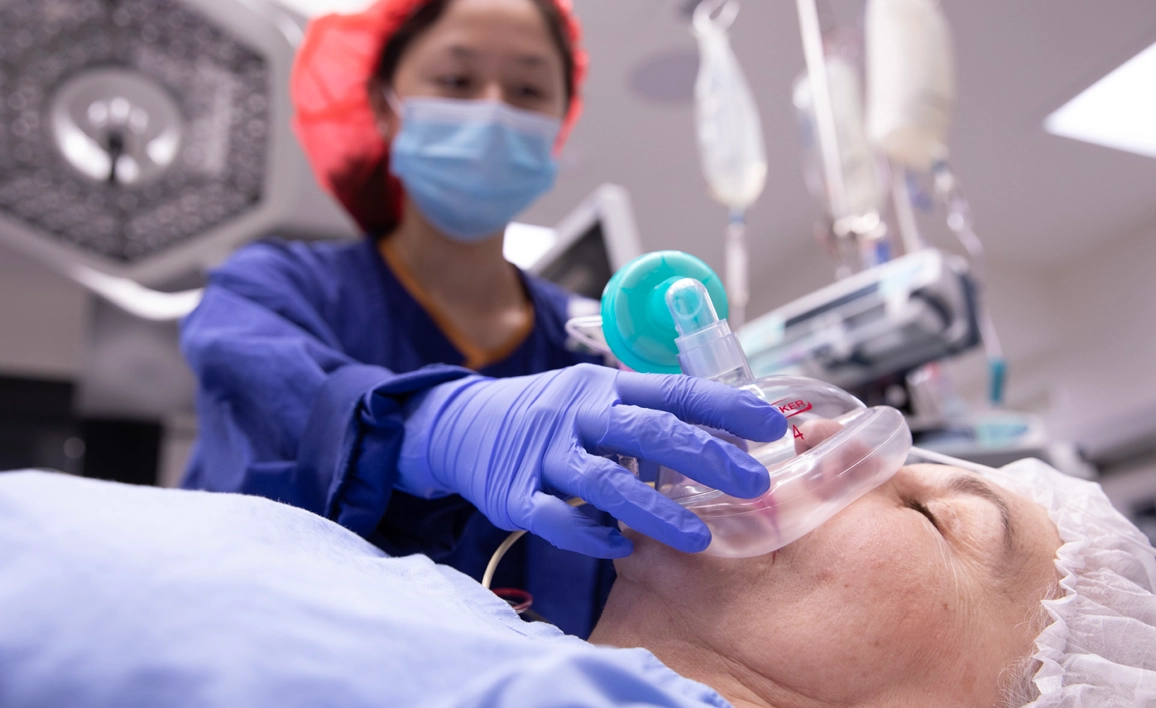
(519, 600)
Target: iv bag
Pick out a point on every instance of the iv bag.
(856, 159)
(910, 80)
(730, 133)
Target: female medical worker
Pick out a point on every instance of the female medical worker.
(402, 384)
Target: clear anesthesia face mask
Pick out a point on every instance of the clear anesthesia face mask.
(659, 315)
(809, 485)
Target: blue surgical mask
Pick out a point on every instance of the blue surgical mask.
(472, 166)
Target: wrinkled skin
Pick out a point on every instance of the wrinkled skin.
(880, 606)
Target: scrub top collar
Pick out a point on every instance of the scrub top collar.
(473, 356)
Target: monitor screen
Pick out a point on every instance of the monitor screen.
(583, 268)
(596, 239)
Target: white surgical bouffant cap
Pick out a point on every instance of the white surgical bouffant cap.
(1100, 648)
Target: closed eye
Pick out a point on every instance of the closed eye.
(917, 505)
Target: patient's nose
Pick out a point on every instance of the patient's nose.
(811, 433)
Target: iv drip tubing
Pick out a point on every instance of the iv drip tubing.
(821, 99)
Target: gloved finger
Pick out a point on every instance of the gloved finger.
(704, 402)
(729, 437)
(663, 438)
(571, 530)
(614, 490)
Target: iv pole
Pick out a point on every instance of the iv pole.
(812, 34)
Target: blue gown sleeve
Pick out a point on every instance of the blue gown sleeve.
(284, 413)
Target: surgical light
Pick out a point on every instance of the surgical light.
(120, 191)
(1118, 111)
(136, 136)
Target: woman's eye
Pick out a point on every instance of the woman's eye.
(917, 505)
(456, 82)
(528, 91)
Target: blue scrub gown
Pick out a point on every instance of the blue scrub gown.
(305, 355)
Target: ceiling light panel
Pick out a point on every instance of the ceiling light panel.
(1118, 111)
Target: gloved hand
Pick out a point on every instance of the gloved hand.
(517, 447)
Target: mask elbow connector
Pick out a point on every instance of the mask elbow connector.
(707, 348)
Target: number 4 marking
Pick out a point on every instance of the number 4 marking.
(795, 430)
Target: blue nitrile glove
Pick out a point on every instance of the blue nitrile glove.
(513, 447)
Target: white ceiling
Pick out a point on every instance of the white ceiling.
(1039, 200)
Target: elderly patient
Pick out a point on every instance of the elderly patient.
(943, 587)
(927, 591)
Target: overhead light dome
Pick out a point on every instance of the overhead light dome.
(132, 132)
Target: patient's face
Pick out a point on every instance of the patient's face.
(916, 594)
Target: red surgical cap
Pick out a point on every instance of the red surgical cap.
(334, 119)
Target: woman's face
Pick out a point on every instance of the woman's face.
(920, 593)
(496, 50)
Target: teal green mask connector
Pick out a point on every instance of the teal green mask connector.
(636, 319)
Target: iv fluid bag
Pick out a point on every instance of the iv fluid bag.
(856, 158)
(730, 133)
(910, 80)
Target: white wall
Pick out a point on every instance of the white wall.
(1081, 341)
(43, 320)
(1103, 369)
(1111, 362)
